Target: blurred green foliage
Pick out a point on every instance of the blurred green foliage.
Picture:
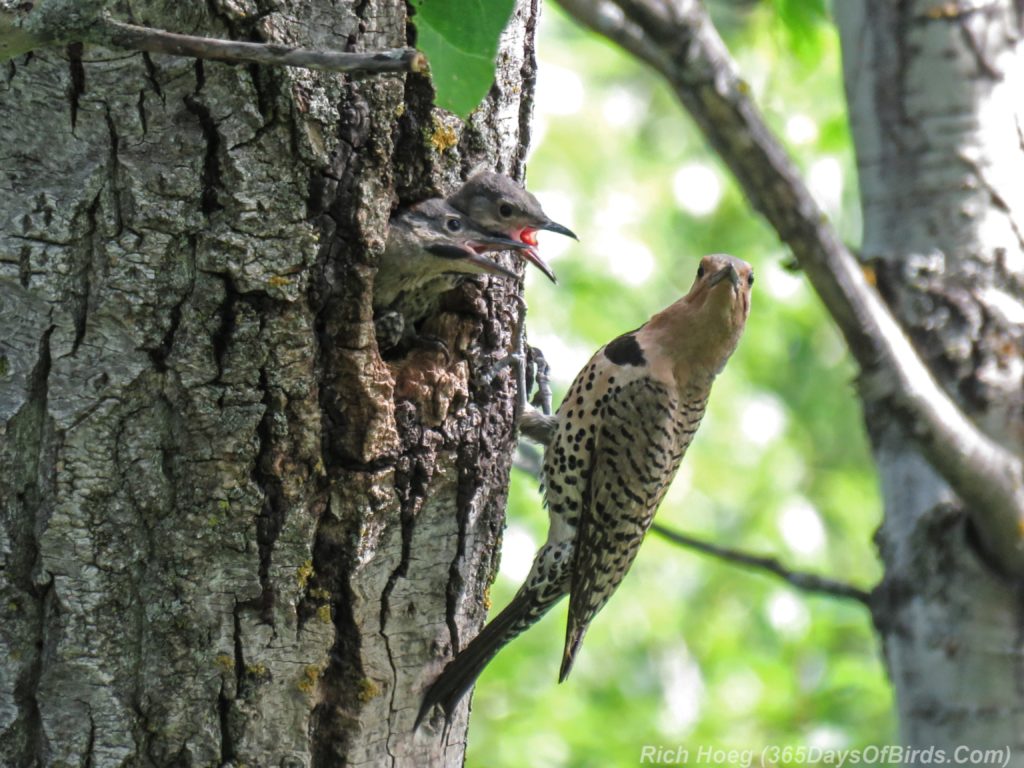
(692, 652)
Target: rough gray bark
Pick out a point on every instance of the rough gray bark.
(229, 532)
(934, 94)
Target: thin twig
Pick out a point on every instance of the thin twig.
(807, 582)
(679, 41)
(528, 459)
(137, 38)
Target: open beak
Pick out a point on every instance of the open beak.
(552, 226)
(534, 258)
(472, 252)
(489, 242)
(491, 267)
(726, 273)
(524, 249)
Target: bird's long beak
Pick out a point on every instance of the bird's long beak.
(491, 242)
(552, 226)
(725, 273)
(531, 255)
(524, 249)
(490, 266)
(469, 253)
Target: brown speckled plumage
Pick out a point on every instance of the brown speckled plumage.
(620, 435)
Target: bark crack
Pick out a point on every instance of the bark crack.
(225, 703)
(271, 517)
(211, 177)
(220, 340)
(411, 489)
(141, 109)
(468, 456)
(331, 726)
(80, 308)
(28, 498)
(159, 355)
(115, 186)
(90, 746)
(151, 75)
(25, 266)
(76, 73)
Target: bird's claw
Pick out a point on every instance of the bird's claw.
(539, 372)
(520, 361)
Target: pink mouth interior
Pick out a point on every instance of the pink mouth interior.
(529, 236)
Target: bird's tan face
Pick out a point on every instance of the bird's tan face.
(722, 289)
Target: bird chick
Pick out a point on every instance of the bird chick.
(619, 437)
(498, 204)
(429, 248)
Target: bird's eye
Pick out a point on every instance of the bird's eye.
(750, 279)
(454, 225)
(700, 271)
(505, 210)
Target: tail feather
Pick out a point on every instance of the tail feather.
(460, 674)
(573, 641)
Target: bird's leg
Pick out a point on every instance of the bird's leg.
(529, 366)
(541, 370)
(538, 427)
(518, 361)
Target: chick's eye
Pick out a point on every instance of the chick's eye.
(700, 271)
(750, 279)
(505, 210)
(454, 225)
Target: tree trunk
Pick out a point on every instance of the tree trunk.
(232, 534)
(934, 98)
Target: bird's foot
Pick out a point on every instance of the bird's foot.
(519, 361)
(538, 427)
(539, 370)
(534, 417)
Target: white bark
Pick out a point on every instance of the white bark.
(934, 99)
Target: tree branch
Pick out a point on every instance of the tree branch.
(678, 40)
(529, 460)
(21, 30)
(122, 35)
(807, 582)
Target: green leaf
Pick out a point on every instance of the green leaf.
(460, 39)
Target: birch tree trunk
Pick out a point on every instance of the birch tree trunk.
(231, 533)
(934, 96)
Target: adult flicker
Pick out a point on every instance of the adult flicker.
(499, 204)
(430, 247)
(616, 443)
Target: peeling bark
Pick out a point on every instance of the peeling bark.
(230, 533)
(934, 98)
